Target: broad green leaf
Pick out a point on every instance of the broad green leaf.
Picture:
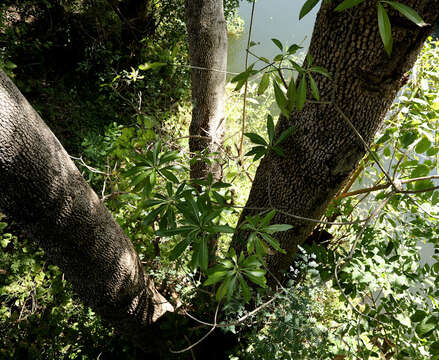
(261, 248)
(293, 49)
(347, 4)
(203, 254)
(277, 228)
(179, 248)
(222, 290)
(281, 100)
(314, 88)
(278, 151)
(231, 287)
(435, 198)
(427, 326)
(301, 94)
(216, 277)
(270, 128)
(423, 145)
(385, 29)
(408, 12)
(152, 215)
(273, 242)
(251, 262)
(291, 95)
(320, 70)
(307, 7)
(284, 135)
(420, 171)
(246, 294)
(278, 44)
(220, 185)
(267, 218)
(263, 85)
(256, 276)
(255, 138)
(169, 175)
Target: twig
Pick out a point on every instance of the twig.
(214, 325)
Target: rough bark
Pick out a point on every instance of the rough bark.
(324, 150)
(42, 190)
(207, 37)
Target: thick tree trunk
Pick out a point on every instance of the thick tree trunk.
(207, 35)
(324, 150)
(42, 190)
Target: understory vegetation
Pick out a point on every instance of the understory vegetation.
(120, 104)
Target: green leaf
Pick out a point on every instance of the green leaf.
(284, 135)
(179, 248)
(216, 277)
(220, 185)
(263, 85)
(314, 88)
(423, 145)
(169, 175)
(293, 49)
(256, 139)
(320, 70)
(408, 12)
(385, 29)
(267, 218)
(270, 128)
(231, 287)
(256, 276)
(420, 171)
(278, 44)
(277, 228)
(281, 100)
(273, 242)
(347, 4)
(301, 94)
(246, 294)
(152, 216)
(203, 255)
(222, 290)
(307, 7)
(427, 326)
(291, 95)
(435, 198)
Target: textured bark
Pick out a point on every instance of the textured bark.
(324, 150)
(207, 36)
(42, 190)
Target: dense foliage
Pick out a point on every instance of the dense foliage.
(122, 110)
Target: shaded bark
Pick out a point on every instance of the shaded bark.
(42, 190)
(207, 37)
(324, 150)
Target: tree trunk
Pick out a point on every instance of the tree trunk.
(207, 36)
(42, 190)
(323, 149)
